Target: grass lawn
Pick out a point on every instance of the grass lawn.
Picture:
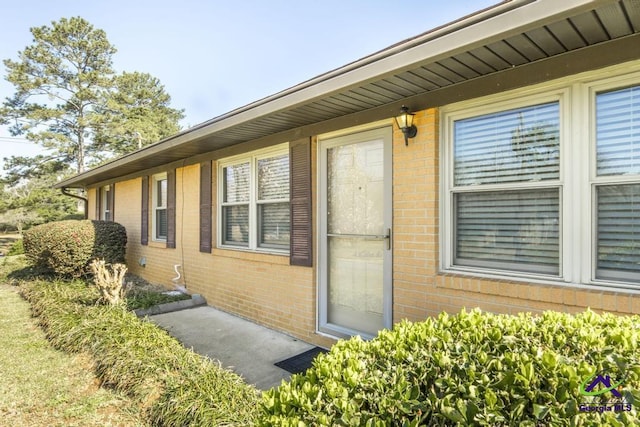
(6, 240)
(41, 386)
(161, 382)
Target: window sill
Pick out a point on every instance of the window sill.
(275, 257)
(500, 281)
(158, 244)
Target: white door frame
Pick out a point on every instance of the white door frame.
(386, 134)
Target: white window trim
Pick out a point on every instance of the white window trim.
(590, 230)
(104, 201)
(577, 173)
(154, 208)
(447, 212)
(251, 158)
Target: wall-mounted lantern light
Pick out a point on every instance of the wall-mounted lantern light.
(405, 124)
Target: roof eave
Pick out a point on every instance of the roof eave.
(493, 23)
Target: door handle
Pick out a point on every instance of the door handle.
(388, 238)
(359, 236)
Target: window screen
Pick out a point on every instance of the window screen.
(618, 232)
(618, 204)
(235, 220)
(236, 183)
(515, 228)
(273, 202)
(273, 178)
(618, 132)
(509, 230)
(161, 223)
(235, 204)
(160, 208)
(517, 145)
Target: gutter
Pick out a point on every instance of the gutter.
(477, 27)
(65, 191)
(310, 89)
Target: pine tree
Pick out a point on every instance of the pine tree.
(69, 100)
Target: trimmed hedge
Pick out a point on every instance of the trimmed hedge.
(172, 385)
(67, 247)
(473, 368)
(470, 369)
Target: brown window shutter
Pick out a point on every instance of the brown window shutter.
(112, 201)
(98, 203)
(205, 207)
(171, 209)
(144, 216)
(300, 202)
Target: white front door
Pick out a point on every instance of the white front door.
(355, 293)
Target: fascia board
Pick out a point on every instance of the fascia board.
(495, 23)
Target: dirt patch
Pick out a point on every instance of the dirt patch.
(141, 284)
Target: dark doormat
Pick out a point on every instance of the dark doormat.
(301, 362)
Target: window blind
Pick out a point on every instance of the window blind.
(236, 183)
(161, 193)
(161, 223)
(273, 178)
(235, 224)
(273, 217)
(618, 232)
(618, 132)
(108, 202)
(274, 225)
(515, 145)
(509, 230)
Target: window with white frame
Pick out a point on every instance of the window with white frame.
(519, 197)
(506, 189)
(254, 200)
(617, 184)
(159, 207)
(105, 203)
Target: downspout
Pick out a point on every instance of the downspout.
(65, 191)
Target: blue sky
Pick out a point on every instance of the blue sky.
(214, 56)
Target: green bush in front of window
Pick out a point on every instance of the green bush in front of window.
(473, 368)
(67, 247)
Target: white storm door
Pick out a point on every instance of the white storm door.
(355, 280)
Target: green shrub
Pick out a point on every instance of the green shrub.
(172, 385)
(67, 247)
(470, 369)
(110, 242)
(205, 394)
(16, 248)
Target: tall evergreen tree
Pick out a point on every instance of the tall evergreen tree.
(59, 79)
(136, 112)
(69, 100)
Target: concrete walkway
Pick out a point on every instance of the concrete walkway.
(245, 347)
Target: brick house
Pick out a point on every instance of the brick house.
(308, 212)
